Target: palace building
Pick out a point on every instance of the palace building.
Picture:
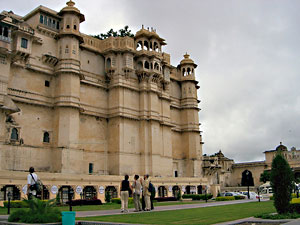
(84, 112)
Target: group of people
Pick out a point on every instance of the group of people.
(140, 188)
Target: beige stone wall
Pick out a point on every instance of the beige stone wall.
(101, 108)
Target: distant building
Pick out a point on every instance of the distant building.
(83, 111)
(222, 171)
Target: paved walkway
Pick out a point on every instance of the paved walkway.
(160, 208)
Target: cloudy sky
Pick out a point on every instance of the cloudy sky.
(248, 57)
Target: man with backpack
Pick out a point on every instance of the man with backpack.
(32, 184)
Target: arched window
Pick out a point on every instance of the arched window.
(68, 26)
(108, 63)
(89, 192)
(139, 46)
(147, 66)
(41, 19)
(64, 193)
(13, 190)
(75, 27)
(188, 71)
(14, 134)
(162, 191)
(175, 191)
(156, 66)
(46, 138)
(146, 45)
(183, 72)
(112, 191)
(139, 65)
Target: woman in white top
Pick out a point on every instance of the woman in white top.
(32, 178)
(137, 193)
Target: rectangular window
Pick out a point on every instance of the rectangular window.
(50, 22)
(41, 19)
(45, 20)
(47, 83)
(24, 43)
(91, 165)
(53, 23)
(57, 25)
(176, 173)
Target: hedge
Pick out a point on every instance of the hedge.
(227, 198)
(197, 197)
(86, 202)
(17, 204)
(118, 200)
(294, 207)
(238, 197)
(165, 199)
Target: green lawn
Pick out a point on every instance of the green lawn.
(208, 215)
(3, 211)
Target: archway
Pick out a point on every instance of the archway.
(64, 193)
(112, 191)
(89, 192)
(162, 191)
(13, 190)
(247, 179)
(175, 191)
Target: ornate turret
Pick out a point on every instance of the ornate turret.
(71, 19)
(187, 66)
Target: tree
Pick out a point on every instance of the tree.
(111, 33)
(281, 180)
(265, 176)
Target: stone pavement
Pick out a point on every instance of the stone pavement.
(160, 208)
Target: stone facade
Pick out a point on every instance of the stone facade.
(222, 171)
(73, 104)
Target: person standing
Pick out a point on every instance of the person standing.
(137, 193)
(146, 193)
(32, 179)
(125, 187)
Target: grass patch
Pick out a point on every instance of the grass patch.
(276, 216)
(208, 215)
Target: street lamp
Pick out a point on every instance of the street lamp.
(70, 195)
(8, 205)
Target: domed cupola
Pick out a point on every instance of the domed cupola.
(187, 66)
(71, 19)
(281, 148)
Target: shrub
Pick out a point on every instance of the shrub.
(118, 200)
(86, 202)
(165, 199)
(295, 200)
(197, 197)
(282, 183)
(38, 212)
(15, 204)
(179, 196)
(238, 197)
(18, 204)
(294, 208)
(107, 197)
(227, 198)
